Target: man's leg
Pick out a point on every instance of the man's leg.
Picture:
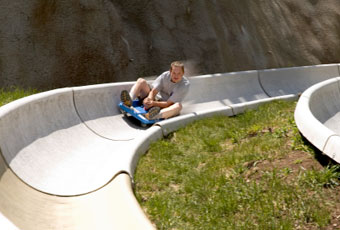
(141, 89)
(171, 111)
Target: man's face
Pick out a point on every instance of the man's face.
(176, 74)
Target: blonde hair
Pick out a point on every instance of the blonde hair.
(177, 64)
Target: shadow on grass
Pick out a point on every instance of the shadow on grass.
(322, 158)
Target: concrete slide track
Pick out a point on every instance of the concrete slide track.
(68, 156)
(317, 116)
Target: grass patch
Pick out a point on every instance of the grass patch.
(251, 171)
(8, 95)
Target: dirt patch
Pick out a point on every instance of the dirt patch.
(295, 162)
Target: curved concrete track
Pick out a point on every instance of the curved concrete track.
(68, 155)
(54, 150)
(317, 116)
(286, 81)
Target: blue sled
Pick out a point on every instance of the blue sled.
(137, 110)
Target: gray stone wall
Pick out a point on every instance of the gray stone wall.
(47, 44)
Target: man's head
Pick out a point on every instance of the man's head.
(176, 71)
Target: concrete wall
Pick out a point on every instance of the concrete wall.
(53, 44)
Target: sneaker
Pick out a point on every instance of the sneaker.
(125, 98)
(152, 113)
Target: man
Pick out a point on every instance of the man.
(162, 99)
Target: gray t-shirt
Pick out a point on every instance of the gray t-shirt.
(168, 90)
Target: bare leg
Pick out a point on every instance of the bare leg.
(171, 111)
(140, 89)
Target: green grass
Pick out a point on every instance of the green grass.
(8, 95)
(212, 175)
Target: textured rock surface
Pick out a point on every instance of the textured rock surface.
(78, 42)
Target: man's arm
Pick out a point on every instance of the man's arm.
(152, 94)
(162, 104)
(149, 101)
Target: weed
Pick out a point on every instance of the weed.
(328, 177)
(14, 93)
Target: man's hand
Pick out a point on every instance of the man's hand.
(148, 103)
